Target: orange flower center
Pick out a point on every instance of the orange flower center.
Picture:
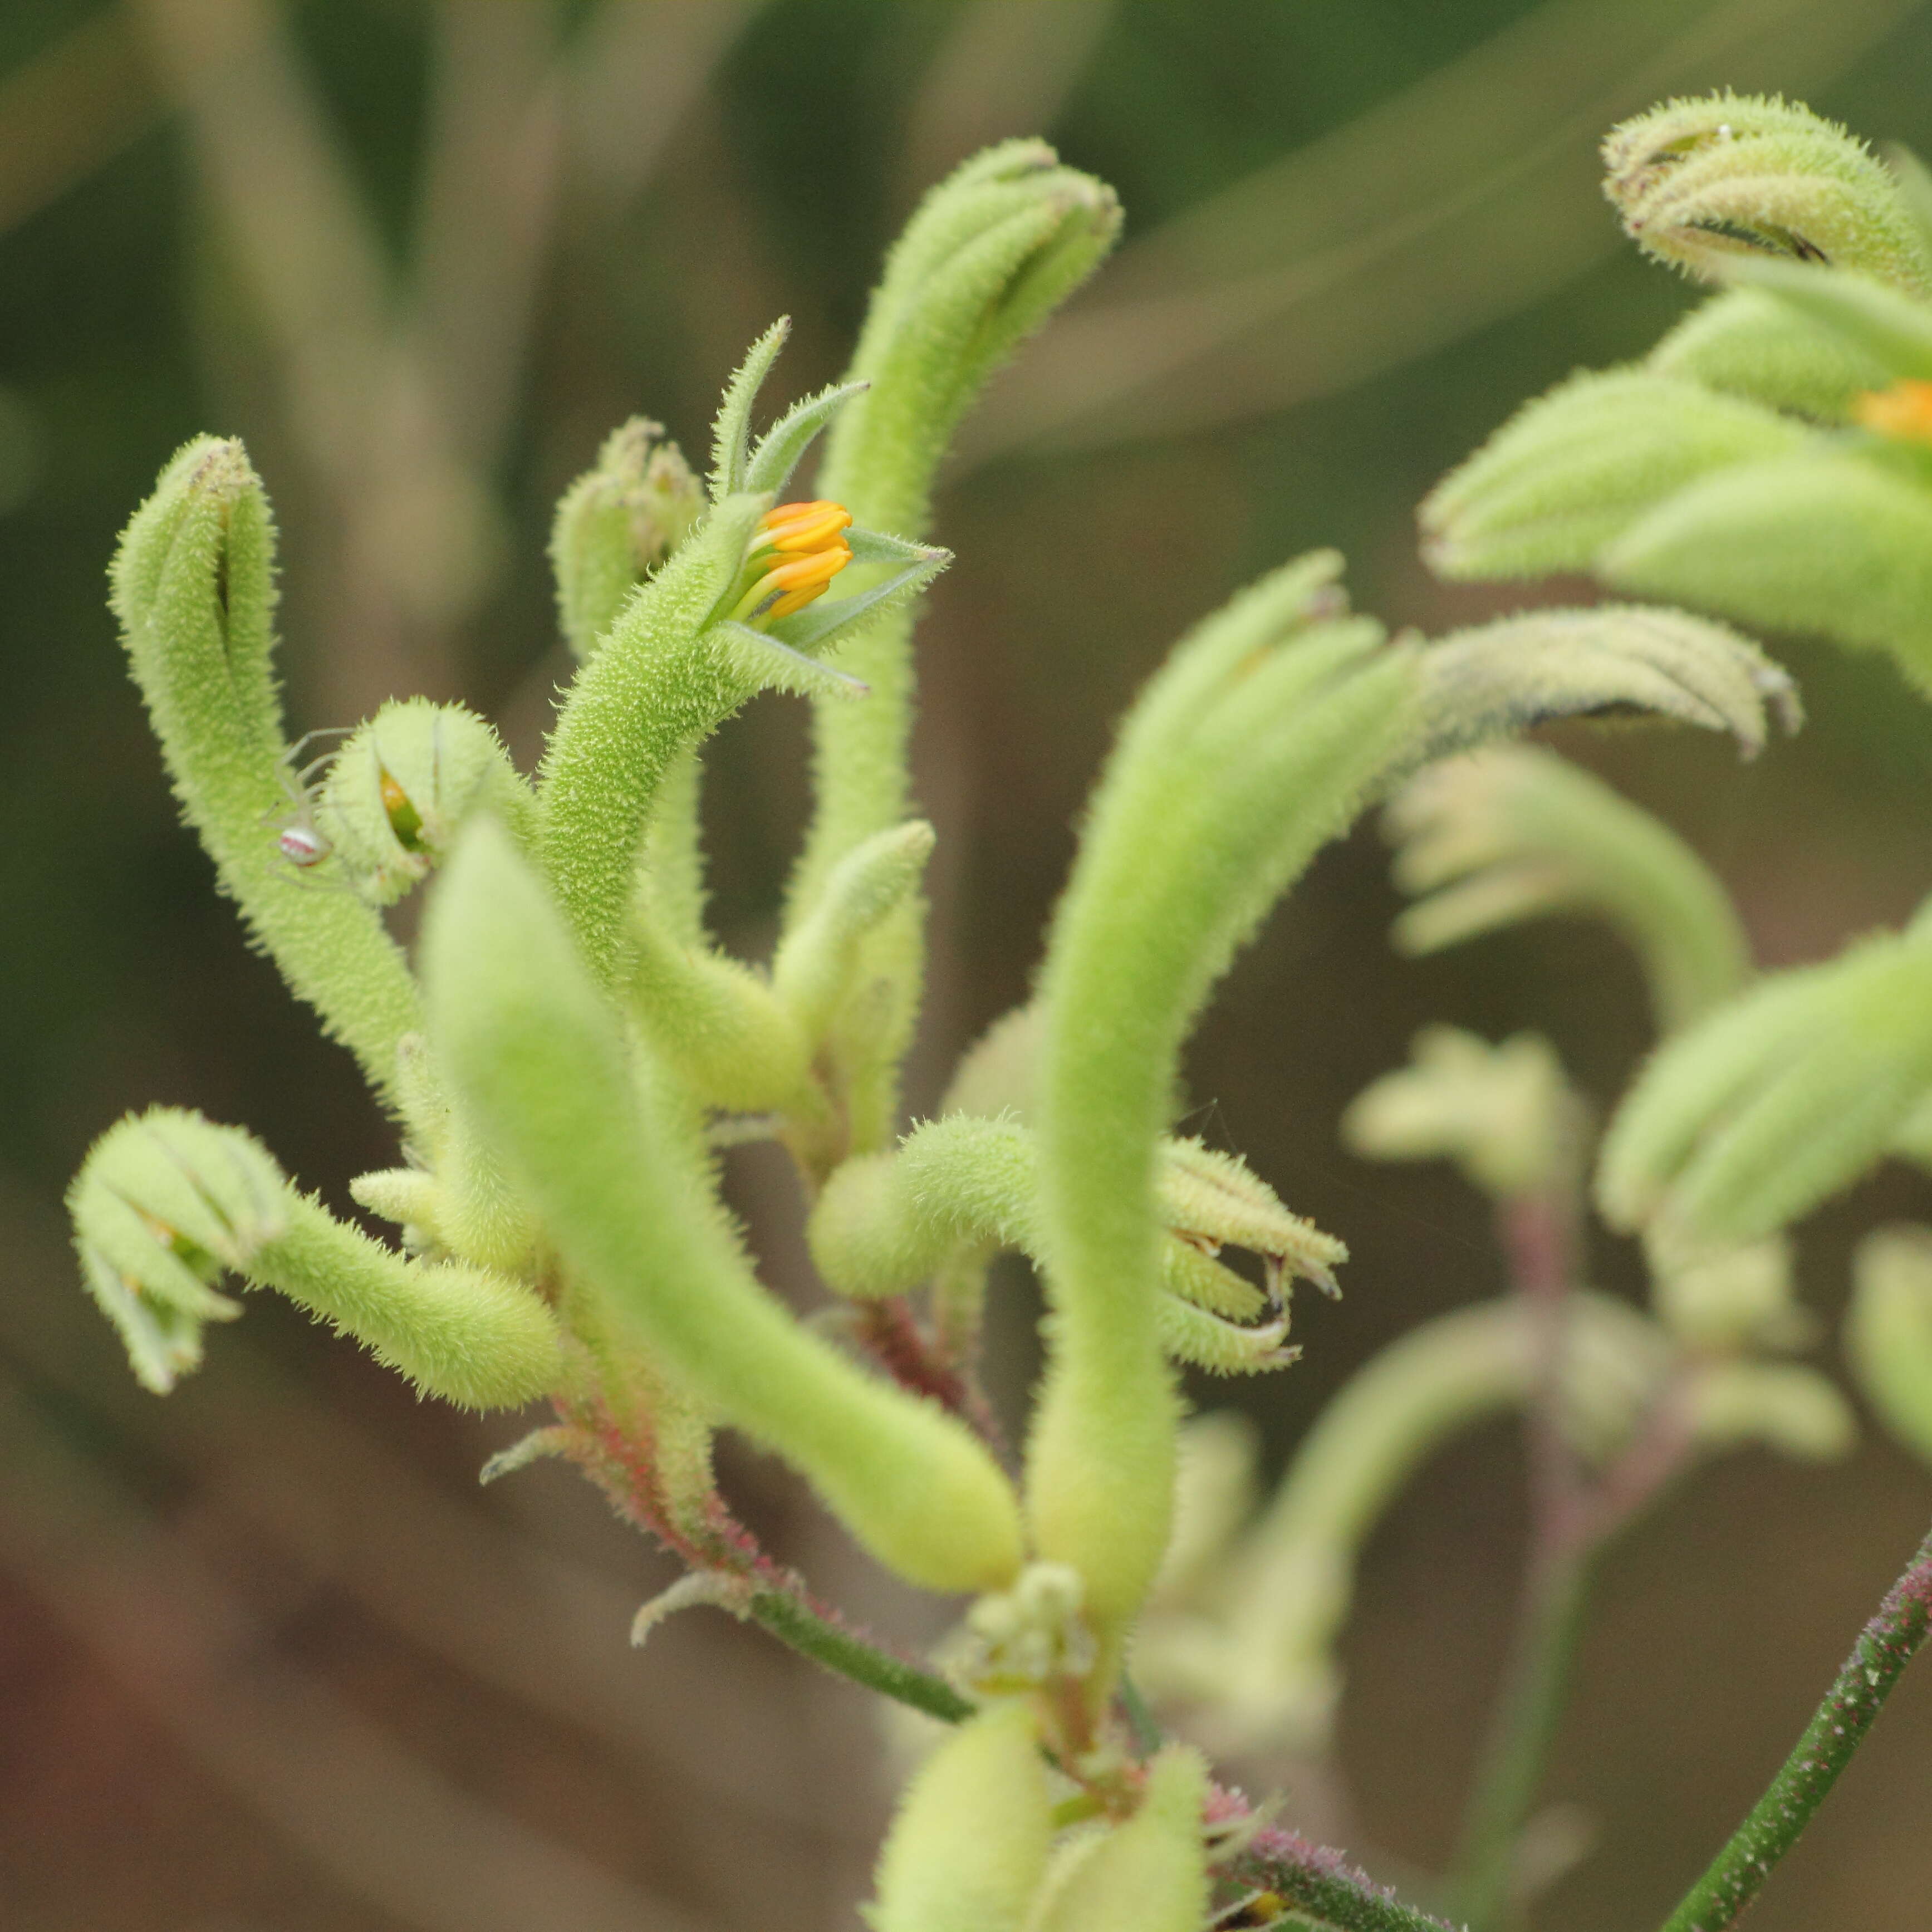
(1903, 412)
(800, 549)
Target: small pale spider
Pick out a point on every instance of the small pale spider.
(298, 838)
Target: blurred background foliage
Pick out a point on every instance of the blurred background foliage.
(268, 1658)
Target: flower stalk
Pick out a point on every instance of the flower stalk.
(1844, 1716)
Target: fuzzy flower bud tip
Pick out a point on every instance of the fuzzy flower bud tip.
(1701, 182)
(800, 548)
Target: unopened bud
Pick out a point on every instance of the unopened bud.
(393, 796)
(1793, 1410)
(1747, 343)
(1505, 1114)
(968, 1847)
(617, 523)
(164, 1203)
(1029, 1636)
(1700, 182)
(1727, 1298)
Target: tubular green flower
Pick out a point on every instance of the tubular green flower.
(167, 1201)
(1778, 1098)
(193, 583)
(1252, 747)
(968, 1846)
(537, 1057)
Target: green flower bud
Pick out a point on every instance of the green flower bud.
(405, 1196)
(1254, 745)
(1026, 1638)
(1699, 182)
(717, 1023)
(968, 1846)
(1505, 1114)
(165, 1202)
(1794, 1411)
(616, 524)
(601, 1145)
(1148, 1875)
(1610, 659)
(988, 255)
(1724, 1300)
(394, 796)
(1514, 832)
(1778, 1099)
(814, 971)
(1888, 1331)
(1821, 542)
(1572, 470)
(193, 585)
(1746, 342)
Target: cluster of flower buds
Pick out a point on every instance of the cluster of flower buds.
(1705, 474)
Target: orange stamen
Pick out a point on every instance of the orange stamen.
(807, 537)
(1903, 412)
(803, 527)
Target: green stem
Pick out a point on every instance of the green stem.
(1538, 1231)
(1311, 1879)
(839, 1651)
(1885, 1646)
(1519, 1739)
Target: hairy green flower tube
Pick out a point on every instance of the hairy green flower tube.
(193, 584)
(1574, 469)
(617, 1176)
(1614, 658)
(988, 256)
(615, 525)
(968, 1850)
(1778, 1099)
(717, 622)
(719, 1025)
(1888, 1331)
(1252, 746)
(817, 963)
(1818, 542)
(1515, 831)
(960, 1189)
(1747, 343)
(166, 1201)
(1699, 182)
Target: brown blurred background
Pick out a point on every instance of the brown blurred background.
(269, 1660)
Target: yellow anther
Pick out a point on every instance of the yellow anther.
(793, 527)
(807, 537)
(1903, 412)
